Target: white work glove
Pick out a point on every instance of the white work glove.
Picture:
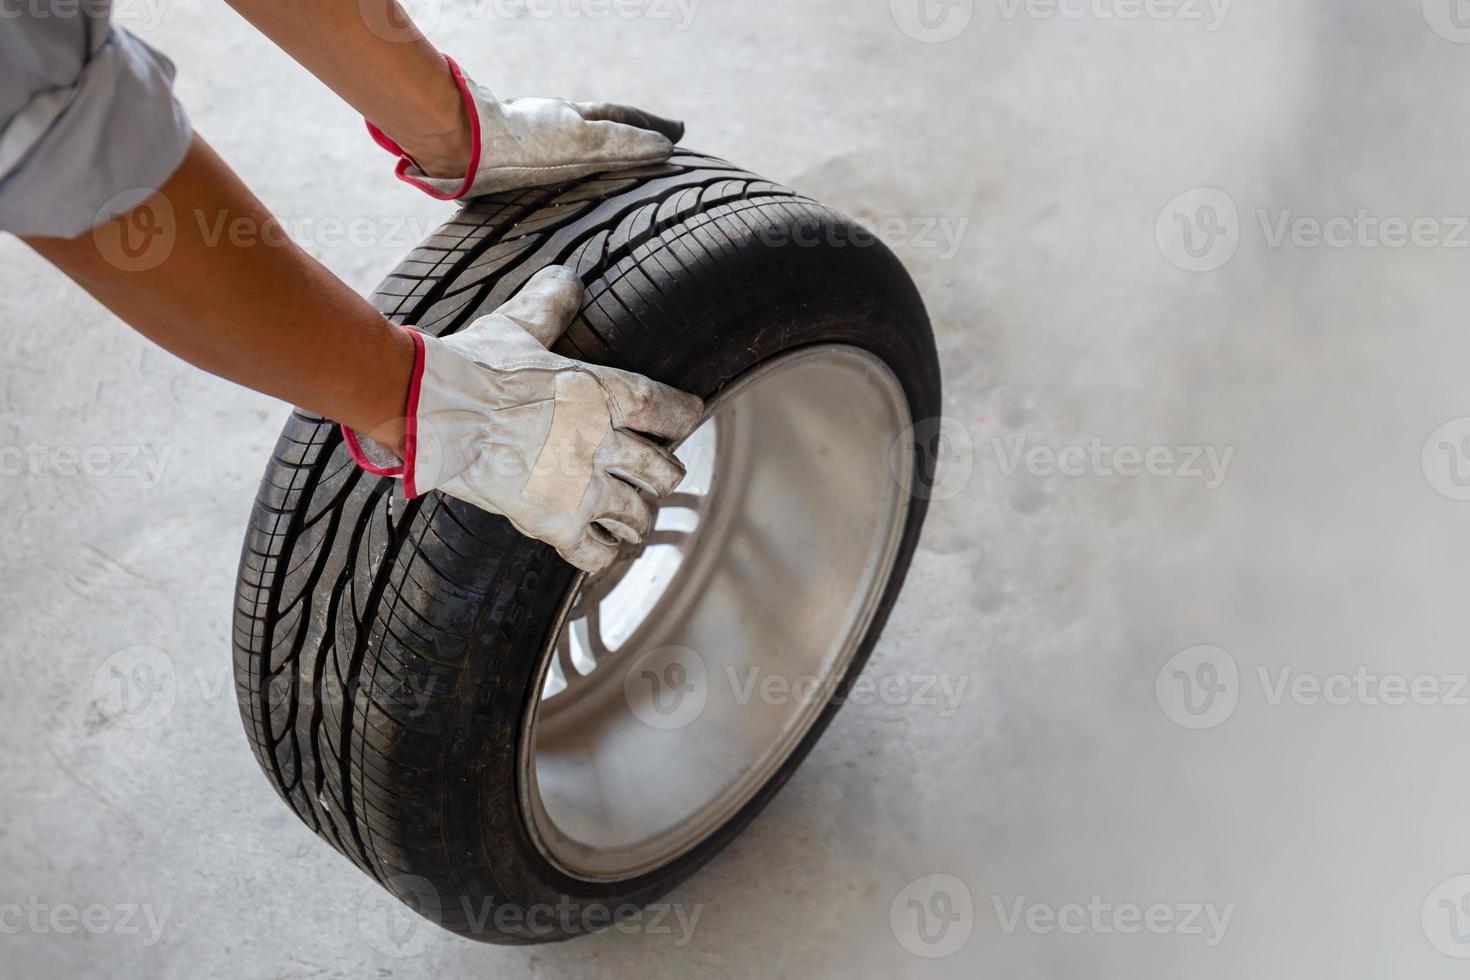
(497, 420)
(533, 142)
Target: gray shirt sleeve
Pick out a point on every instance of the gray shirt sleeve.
(89, 125)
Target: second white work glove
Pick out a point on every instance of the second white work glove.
(559, 447)
(532, 142)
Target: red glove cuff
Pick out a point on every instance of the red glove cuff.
(405, 161)
(410, 427)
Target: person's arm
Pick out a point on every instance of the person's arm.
(493, 418)
(569, 452)
(370, 53)
(252, 307)
(453, 138)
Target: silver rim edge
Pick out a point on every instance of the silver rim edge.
(618, 780)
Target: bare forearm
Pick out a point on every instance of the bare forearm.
(251, 307)
(369, 53)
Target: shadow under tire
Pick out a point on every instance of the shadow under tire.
(391, 656)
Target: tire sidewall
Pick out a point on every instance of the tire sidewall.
(763, 305)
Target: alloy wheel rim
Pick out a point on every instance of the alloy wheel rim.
(679, 681)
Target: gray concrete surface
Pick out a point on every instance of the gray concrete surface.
(1328, 833)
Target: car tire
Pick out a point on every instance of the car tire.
(390, 655)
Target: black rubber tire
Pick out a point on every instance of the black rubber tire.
(384, 649)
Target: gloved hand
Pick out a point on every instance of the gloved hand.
(533, 142)
(497, 420)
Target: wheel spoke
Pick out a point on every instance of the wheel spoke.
(556, 679)
(587, 599)
(563, 662)
(590, 648)
(690, 501)
(592, 641)
(679, 539)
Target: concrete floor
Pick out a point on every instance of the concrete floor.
(1324, 831)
